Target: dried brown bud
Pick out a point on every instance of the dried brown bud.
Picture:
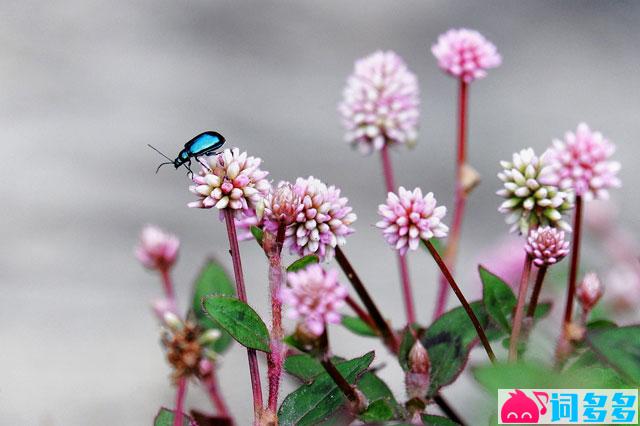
(184, 351)
(469, 178)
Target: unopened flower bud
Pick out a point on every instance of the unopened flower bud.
(418, 358)
(469, 178)
(205, 367)
(209, 336)
(589, 291)
(157, 250)
(417, 378)
(161, 307)
(172, 321)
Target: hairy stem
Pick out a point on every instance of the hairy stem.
(517, 318)
(345, 387)
(276, 276)
(454, 286)
(382, 325)
(180, 395)
(451, 250)
(402, 260)
(254, 372)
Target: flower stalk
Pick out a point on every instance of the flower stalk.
(380, 324)
(575, 257)
(181, 393)
(518, 316)
(451, 249)
(211, 384)
(465, 304)
(254, 372)
(407, 295)
(533, 302)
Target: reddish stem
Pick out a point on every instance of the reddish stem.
(517, 319)
(454, 286)
(451, 249)
(254, 371)
(211, 385)
(387, 168)
(361, 313)
(533, 302)
(168, 288)
(180, 395)
(575, 256)
(276, 357)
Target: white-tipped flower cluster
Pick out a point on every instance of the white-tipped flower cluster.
(529, 201)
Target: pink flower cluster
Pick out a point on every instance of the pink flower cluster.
(157, 249)
(465, 54)
(230, 180)
(380, 104)
(322, 218)
(408, 217)
(314, 296)
(581, 163)
(546, 245)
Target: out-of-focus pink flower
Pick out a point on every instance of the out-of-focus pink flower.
(230, 180)
(581, 163)
(600, 216)
(504, 259)
(283, 205)
(529, 200)
(546, 245)
(409, 217)
(623, 286)
(157, 249)
(589, 291)
(322, 223)
(380, 104)
(465, 54)
(314, 296)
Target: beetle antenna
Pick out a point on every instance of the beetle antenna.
(159, 152)
(163, 164)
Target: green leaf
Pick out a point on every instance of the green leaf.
(542, 310)
(212, 280)
(619, 348)
(303, 262)
(498, 298)
(239, 320)
(373, 387)
(165, 418)
(450, 339)
(257, 233)
(377, 411)
(600, 324)
(305, 367)
(358, 326)
(431, 420)
(311, 403)
(437, 244)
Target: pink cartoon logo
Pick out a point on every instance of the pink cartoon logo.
(519, 408)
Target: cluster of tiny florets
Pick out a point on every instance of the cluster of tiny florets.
(322, 221)
(157, 249)
(408, 217)
(231, 180)
(314, 296)
(282, 205)
(581, 163)
(530, 201)
(546, 245)
(465, 54)
(380, 104)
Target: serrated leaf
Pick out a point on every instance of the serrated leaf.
(618, 347)
(257, 233)
(303, 262)
(212, 280)
(377, 411)
(358, 326)
(450, 339)
(165, 418)
(498, 298)
(239, 320)
(431, 420)
(311, 403)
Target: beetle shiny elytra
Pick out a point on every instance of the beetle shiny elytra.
(205, 143)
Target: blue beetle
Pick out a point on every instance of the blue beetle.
(205, 143)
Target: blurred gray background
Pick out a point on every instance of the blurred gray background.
(85, 85)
